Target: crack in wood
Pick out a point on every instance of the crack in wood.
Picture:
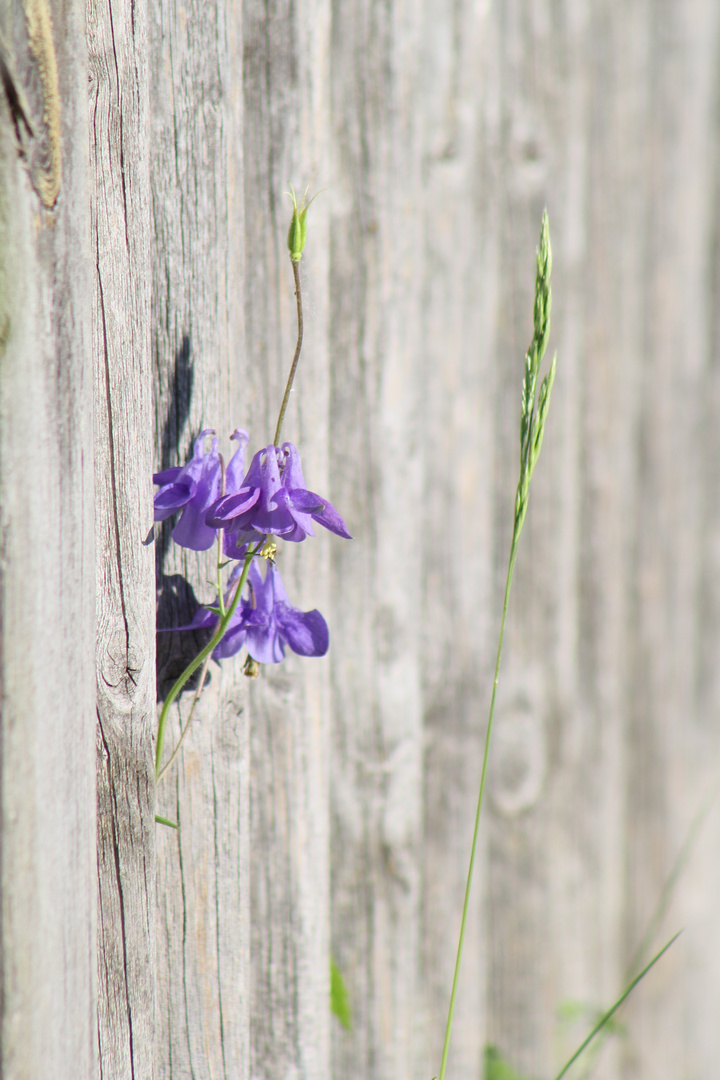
(118, 880)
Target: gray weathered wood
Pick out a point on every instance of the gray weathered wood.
(47, 583)
(594, 778)
(198, 346)
(460, 622)
(377, 449)
(332, 801)
(672, 740)
(286, 141)
(600, 651)
(118, 108)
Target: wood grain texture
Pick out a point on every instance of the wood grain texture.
(672, 755)
(47, 869)
(198, 339)
(459, 320)
(286, 140)
(595, 778)
(327, 807)
(118, 105)
(376, 273)
(602, 628)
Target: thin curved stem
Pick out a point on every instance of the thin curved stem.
(200, 658)
(203, 673)
(186, 726)
(466, 903)
(298, 347)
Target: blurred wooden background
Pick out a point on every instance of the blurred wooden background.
(327, 808)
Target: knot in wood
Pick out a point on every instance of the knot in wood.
(519, 758)
(122, 668)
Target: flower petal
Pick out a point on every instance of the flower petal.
(169, 499)
(330, 518)
(224, 512)
(231, 643)
(191, 488)
(307, 502)
(306, 632)
(274, 516)
(235, 544)
(292, 474)
(262, 597)
(168, 476)
(321, 510)
(234, 471)
(191, 530)
(201, 620)
(264, 644)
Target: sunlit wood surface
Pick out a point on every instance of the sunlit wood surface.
(327, 808)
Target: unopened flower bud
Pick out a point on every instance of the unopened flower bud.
(297, 233)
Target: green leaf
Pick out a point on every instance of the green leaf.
(339, 1003)
(165, 821)
(497, 1068)
(568, 1012)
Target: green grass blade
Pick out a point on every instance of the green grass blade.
(668, 888)
(533, 357)
(164, 821)
(339, 1003)
(604, 1019)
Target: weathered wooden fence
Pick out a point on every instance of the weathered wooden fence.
(145, 294)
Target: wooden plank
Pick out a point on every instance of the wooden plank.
(376, 249)
(671, 752)
(554, 739)
(286, 138)
(601, 642)
(460, 622)
(47, 871)
(198, 346)
(555, 851)
(118, 106)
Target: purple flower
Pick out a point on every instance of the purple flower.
(272, 622)
(194, 487)
(265, 622)
(273, 500)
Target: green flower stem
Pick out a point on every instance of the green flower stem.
(203, 673)
(466, 904)
(186, 727)
(298, 347)
(201, 657)
(218, 582)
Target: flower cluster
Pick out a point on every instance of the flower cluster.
(269, 501)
